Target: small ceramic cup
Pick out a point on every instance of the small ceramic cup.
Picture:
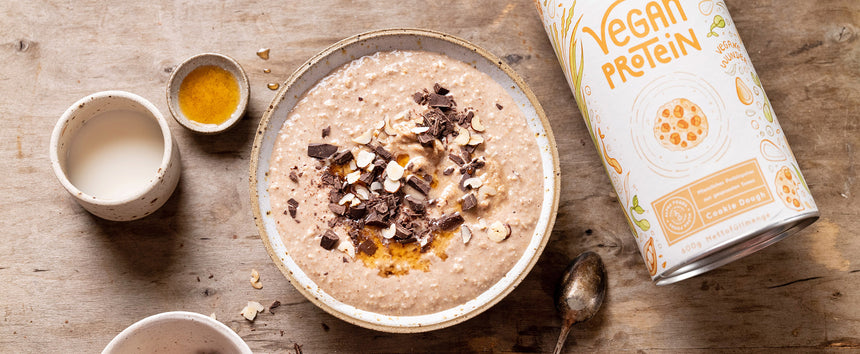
(143, 199)
(204, 59)
(177, 332)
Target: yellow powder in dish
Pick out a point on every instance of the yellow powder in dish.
(209, 95)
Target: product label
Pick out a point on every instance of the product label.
(681, 122)
(710, 200)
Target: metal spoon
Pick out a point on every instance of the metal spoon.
(580, 293)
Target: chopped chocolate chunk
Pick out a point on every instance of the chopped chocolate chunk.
(326, 131)
(418, 184)
(467, 153)
(425, 138)
(448, 171)
(442, 102)
(366, 178)
(401, 232)
(406, 240)
(337, 208)
(439, 89)
(367, 247)
(457, 159)
(463, 181)
(360, 99)
(478, 162)
(335, 195)
(469, 201)
(293, 207)
(329, 240)
(357, 212)
(381, 152)
(275, 304)
(333, 221)
(466, 119)
(420, 97)
(499, 106)
(328, 178)
(342, 158)
(415, 204)
(321, 151)
(375, 219)
(294, 177)
(449, 221)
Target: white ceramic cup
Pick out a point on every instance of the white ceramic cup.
(150, 196)
(177, 332)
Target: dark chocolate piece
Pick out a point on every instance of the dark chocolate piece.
(466, 119)
(367, 247)
(469, 201)
(442, 102)
(463, 180)
(457, 159)
(418, 184)
(375, 219)
(294, 177)
(499, 106)
(321, 151)
(420, 98)
(342, 158)
(448, 171)
(273, 306)
(425, 138)
(329, 240)
(381, 152)
(337, 208)
(439, 89)
(366, 178)
(335, 195)
(449, 221)
(293, 207)
(401, 232)
(360, 99)
(326, 131)
(357, 212)
(415, 204)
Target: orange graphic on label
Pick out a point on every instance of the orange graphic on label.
(786, 188)
(650, 254)
(680, 125)
(745, 95)
(609, 161)
(711, 199)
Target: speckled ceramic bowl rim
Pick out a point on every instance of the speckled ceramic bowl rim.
(178, 316)
(421, 323)
(175, 81)
(66, 118)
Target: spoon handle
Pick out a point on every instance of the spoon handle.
(562, 337)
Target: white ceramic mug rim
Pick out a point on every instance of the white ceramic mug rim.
(67, 116)
(215, 324)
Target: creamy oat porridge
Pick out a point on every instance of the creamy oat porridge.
(406, 183)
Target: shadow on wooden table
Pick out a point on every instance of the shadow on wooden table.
(144, 248)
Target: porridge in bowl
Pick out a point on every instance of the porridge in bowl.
(406, 183)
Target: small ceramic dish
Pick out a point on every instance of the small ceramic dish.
(129, 201)
(205, 59)
(177, 332)
(358, 46)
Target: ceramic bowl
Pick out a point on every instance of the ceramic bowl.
(177, 332)
(179, 74)
(365, 44)
(150, 196)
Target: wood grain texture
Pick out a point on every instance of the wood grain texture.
(69, 281)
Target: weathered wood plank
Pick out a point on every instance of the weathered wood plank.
(69, 282)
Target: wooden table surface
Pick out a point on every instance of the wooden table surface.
(69, 282)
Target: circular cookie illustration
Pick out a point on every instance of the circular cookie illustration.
(650, 256)
(680, 125)
(787, 188)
